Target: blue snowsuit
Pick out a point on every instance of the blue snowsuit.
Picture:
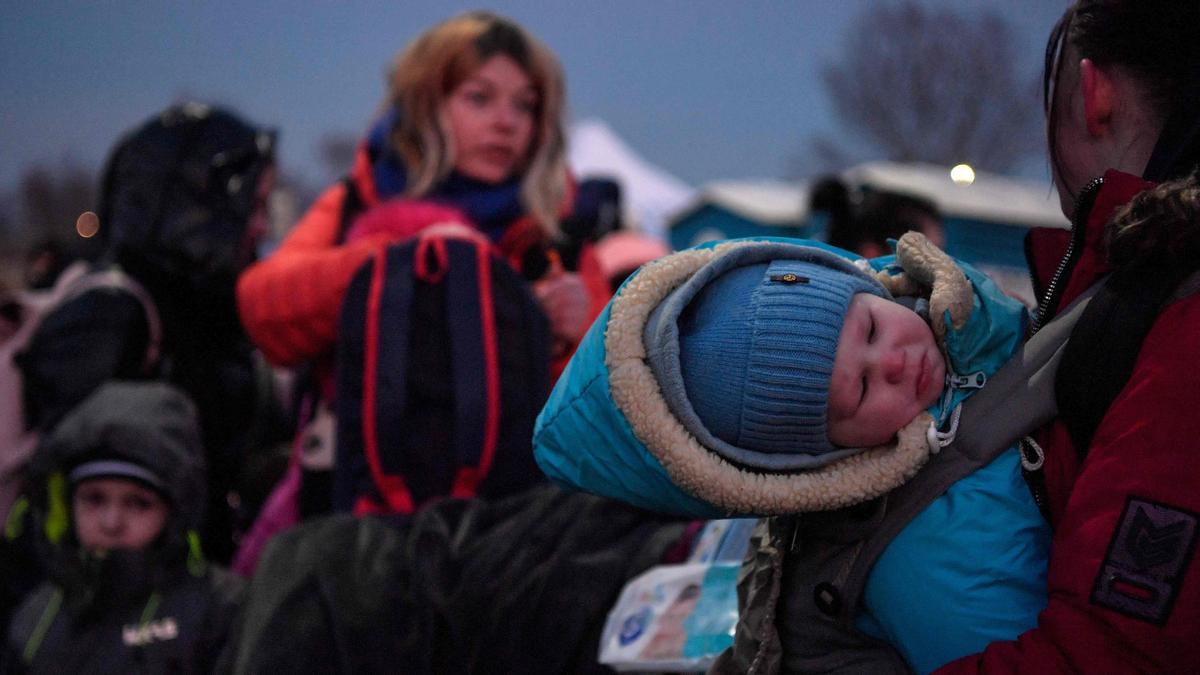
(968, 570)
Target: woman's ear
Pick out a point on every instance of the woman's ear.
(1096, 85)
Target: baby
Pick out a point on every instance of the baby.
(760, 378)
(796, 357)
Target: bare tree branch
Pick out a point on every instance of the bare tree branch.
(921, 84)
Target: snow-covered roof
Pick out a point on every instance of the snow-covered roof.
(770, 202)
(990, 197)
(649, 194)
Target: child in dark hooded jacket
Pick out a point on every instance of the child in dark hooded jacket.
(118, 490)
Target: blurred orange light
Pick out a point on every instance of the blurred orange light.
(87, 224)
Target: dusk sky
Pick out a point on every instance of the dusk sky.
(706, 89)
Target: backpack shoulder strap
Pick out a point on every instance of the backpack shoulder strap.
(1104, 346)
(474, 356)
(392, 487)
(115, 278)
(1189, 287)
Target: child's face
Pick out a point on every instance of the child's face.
(117, 513)
(886, 371)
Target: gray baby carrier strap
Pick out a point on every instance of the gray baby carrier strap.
(801, 584)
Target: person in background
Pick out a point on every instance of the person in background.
(470, 133)
(472, 125)
(182, 206)
(622, 252)
(1121, 483)
(865, 222)
(118, 490)
(885, 216)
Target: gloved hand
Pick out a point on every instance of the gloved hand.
(927, 269)
(565, 300)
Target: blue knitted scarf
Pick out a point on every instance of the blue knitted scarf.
(491, 208)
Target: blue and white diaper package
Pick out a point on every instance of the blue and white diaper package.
(680, 617)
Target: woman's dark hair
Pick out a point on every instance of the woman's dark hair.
(885, 215)
(868, 216)
(830, 195)
(1156, 41)
(1153, 233)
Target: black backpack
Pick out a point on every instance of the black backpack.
(442, 367)
(105, 326)
(177, 197)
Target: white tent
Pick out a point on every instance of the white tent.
(650, 194)
(771, 202)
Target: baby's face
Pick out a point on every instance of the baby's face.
(887, 370)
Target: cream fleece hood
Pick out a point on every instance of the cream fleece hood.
(608, 427)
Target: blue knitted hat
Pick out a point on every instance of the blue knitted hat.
(756, 350)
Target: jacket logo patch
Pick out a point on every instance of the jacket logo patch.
(1146, 560)
(140, 635)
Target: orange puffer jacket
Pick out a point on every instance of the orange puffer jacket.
(289, 302)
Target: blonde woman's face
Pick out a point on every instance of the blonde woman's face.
(491, 119)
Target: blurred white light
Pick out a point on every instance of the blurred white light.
(962, 174)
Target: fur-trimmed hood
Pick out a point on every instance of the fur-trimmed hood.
(607, 427)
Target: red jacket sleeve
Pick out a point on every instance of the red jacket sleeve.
(289, 302)
(1131, 519)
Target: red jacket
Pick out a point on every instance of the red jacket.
(1124, 579)
(289, 302)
